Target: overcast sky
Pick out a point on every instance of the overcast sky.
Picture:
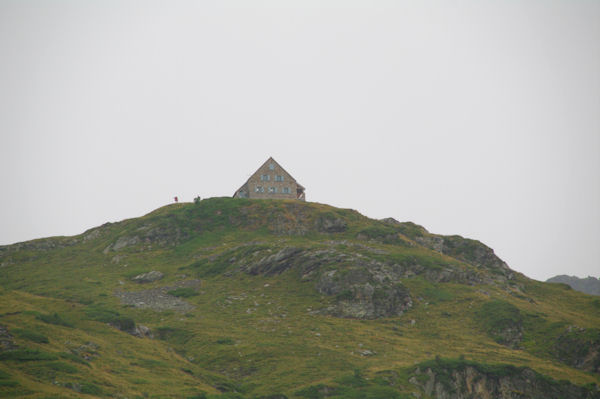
(478, 118)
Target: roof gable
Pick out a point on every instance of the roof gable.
(265, 168)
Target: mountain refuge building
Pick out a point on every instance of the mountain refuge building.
(271, 181)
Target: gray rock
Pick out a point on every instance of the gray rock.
(276, 263)
(467, 250)
(87, 351)
(142, 331)
(331, 224)
(391, 221)
(91, 235)
(124, 242)
(7, 342)
(149, 277)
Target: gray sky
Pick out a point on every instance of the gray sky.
(476, 118)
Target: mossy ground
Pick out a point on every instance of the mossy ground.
(252, 335)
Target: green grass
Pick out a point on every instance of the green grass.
(54, 318)
(26, 355)
(437, 294)
(31, 335)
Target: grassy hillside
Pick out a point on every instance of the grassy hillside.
(262, 298)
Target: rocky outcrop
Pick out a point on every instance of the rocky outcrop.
(53, 243)
(7, 342)
(158, 299)
(366, 301)
(510, 335)
(161, 235)
(503, 322)
(311, 262)
(580, 348)
(361, 287)
(329, 223)
(467, 250)
(42, 244)
(276, 263)
(589, 285)
(458, 379)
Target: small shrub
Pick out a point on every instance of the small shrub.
(54, 318)
(183, 292)
(437, 294)
(111, 317)
(61, 367)
(73, 358)
(31, 336)
(174, 335)
(87, 301)
(124, 323)
(384, 234)
(345, 295)
(91, 389)
(228, 395)
(356, 380)
(227, 387)
(101, 314)
(316, 392)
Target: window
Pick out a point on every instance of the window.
(279, 178)
(272, 166)
(273, 190)
(259, 189)
(285, 190)
(265, 177)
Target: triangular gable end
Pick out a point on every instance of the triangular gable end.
(272, 181)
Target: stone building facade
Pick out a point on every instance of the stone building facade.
(271, 181)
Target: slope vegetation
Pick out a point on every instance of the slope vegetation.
(233, 298)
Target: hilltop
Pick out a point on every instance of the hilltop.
(238, 298)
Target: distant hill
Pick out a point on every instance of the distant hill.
(589, 285)
(248, 299)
